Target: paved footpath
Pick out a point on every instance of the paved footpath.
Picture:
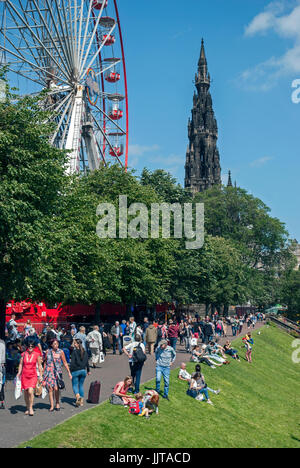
(16, 428)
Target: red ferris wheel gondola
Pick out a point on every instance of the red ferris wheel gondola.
(113, 80)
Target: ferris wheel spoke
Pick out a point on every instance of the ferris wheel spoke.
(18, 48)
(61, 120)
(58, 34)
(67, 125)
(59, 104)
(83, 72)
(86, 31)
(113, 64)
(63, 31)
(32, 65)
(108, 141)
(49, 34)
(69, 30)
(34, 36)
(92, 37)
(111, 120)
(79, 32)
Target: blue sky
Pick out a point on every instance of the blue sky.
(253, 53)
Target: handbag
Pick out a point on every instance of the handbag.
(60, 382)
(38, 390)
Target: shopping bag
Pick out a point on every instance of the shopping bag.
(18, 389)
(101, 358)
(44, 392)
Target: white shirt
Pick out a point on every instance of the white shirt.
(129, 348)
(95, 339)
(184, 374)
(2, 353)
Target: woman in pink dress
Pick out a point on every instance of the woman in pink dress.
(30, 361)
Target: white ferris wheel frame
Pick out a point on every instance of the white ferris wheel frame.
(54, 43)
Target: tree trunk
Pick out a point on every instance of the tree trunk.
(2, 318)
(98, 313)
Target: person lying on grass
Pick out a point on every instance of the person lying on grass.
(213, 351)
(209, 359)
(230, 351)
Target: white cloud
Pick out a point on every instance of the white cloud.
(139, 150)
(261, 162)
(282, 18)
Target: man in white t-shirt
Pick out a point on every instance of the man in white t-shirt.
(136, 368)
(183, 373)
(2, 372)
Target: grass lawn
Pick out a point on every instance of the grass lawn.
(259, 406)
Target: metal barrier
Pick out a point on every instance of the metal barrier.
(285, 324)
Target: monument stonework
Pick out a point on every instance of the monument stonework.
(202, 169)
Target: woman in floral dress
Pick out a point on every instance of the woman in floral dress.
(54, 360)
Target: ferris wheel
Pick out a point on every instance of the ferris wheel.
(74, 50)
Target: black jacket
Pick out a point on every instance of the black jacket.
(78, 363)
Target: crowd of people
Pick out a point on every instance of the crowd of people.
(36, 361)
(162, 339)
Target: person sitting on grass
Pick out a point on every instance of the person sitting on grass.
(230, 351)
(138, 407)
(184, 374)
(121, 390)
(198, 389)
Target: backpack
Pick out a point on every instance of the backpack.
(134, 407)
(138, 356)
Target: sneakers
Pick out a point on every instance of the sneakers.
(209, 402)
(217, 392)
(199, 398)
(166, 397)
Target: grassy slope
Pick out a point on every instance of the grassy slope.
(259, 407)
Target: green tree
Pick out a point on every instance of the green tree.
(32, 177)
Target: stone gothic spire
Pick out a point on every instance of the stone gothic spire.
(229, 184)
(202, 169)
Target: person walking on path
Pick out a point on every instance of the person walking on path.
(173, 333)
(151, 337)
(2, 372)
(81, 335)
(132, 327)
(208, 331)
(79, 368)
(136, 353)
(54, 359)
(94, 339)
(165, 356)
(30, 361)
(116, 332)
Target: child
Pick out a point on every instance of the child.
(248, 341)
(138, 407)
